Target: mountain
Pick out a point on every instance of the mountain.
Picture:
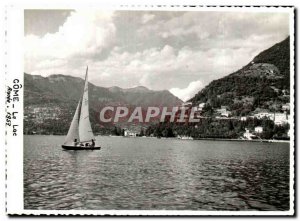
(50, 103)
(61, 89)
(138, 89)
(264, 83)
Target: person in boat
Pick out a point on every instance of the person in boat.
(93, 143)
(75, 142)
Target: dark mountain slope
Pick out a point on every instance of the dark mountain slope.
(263, 83)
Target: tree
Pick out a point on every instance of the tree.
(168, 132)
(142, 133)
(207, 109)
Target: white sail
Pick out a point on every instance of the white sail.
(85, 129)
(73, 130)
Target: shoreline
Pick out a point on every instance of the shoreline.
(210, 139)
(261, 141)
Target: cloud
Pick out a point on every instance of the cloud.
(84, 34)
(159, 50)
(226, 24)
(188, 92)
(168, 67)
(147, 17)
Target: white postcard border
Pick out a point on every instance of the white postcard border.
(14, 146)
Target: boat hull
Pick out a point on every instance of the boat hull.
(79, 148)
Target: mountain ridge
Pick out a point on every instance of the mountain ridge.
(263, 83)
(63, 88)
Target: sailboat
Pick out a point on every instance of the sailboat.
(80, 135)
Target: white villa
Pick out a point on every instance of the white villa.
(281, 118)
(264, 114)
(128, 133)
(243, 118)
(258, 129)
(248, 135)
(201, 106)
(223, 111)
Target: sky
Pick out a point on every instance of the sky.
(162, 50)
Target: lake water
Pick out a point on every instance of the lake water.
(150, 173)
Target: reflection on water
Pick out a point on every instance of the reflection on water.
(147, 173)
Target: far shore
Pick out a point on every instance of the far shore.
(211, 139)
(256, 140)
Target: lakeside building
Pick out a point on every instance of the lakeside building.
(40, 114)
(264, 114)
(285, 107)
(201, 106)
(128, 133)
(258, 129)
(281, 118)
(243, 118)
(248, 135)
(187, 104)
(223, 111)
(199, 109)
(185, 137)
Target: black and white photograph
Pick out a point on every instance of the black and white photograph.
(178, 111)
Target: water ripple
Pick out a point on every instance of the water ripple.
(156, 174)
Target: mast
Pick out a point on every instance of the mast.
(85, 129)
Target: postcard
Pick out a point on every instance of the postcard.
(161, 111)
